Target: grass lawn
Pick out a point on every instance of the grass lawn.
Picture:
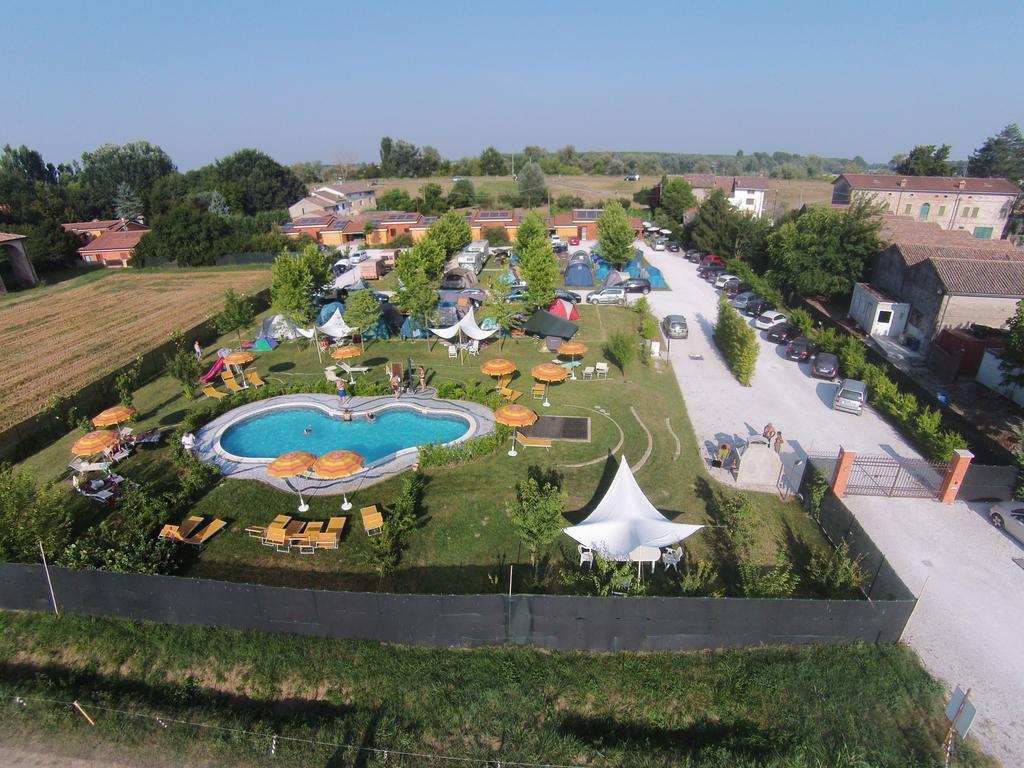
(780, 707)
(465, 543)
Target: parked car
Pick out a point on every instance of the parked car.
(735, 289)
(724, 278)
(702, 270)
(756, 308)
(675, 327)
(559, 247)
(476, 295)
(1009, 516)
(693, 256)
(741, 300)
(825, 366)
(710, 258)
(616, 295)
(767, 319)
(673, 247)
(851, 395)
(713, 273)
(636, 285)
(458, 178)
(574, 241)
(571, 296)
(556, 240)
(780, 333)
(632, 177)
(801, 349)
(658, 245)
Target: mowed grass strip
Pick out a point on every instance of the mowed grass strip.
(69, 337)
(798, 706)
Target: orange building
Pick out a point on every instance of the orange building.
(112, 249)
(87, 231)
(342, 232)
(388, 225)
(507, 220)
(582, 223)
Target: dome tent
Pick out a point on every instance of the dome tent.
(328, 310)
(656, 278)
(564, 309)
(412, 330)
(579, 275)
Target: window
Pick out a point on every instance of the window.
(964, 212)
(983, 233)
(926, 208)
(906, 209)
(974, 213)
(884, 316)
(942, 210)
(751, 201)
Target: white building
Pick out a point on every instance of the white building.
(745, 193)
(347, 198)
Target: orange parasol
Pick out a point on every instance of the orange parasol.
(346, 353)
(290, 464)
(499, 366)
(515, 416)
(241, 357)
(572, 348)
(114, 415)
(95, 442)
(548, 372)
(337, 464)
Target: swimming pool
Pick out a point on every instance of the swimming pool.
(270, 433)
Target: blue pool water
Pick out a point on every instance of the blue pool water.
(268, 435)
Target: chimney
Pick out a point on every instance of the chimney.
(903, 183)
(961, 184)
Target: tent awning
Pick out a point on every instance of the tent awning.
(336, 326)
(466, 325)
(543, 323)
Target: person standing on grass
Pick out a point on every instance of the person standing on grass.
(341, 392)
(778, 442)
(197, 347)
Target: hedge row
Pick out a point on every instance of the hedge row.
(737, 341)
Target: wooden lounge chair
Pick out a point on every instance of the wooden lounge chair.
(280, 521)
(325, 540)
(294, 528)
(537, 391)
(229, 381)
(189, 526)
(373, 521)
(532, 442)
(336, 525)
(256, 532)
(199, 539)
(277, 538)
(210, 391)
(504, 381)
(510, 394)
(169, 532)
(254, 379)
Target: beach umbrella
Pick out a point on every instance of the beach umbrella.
(549, 372)
(238, 359)
(499, 366)
(515, 416)
(114, 415)
(95, 442)
(289, 465)
(347, 353)
(572, 348)
(334, 465)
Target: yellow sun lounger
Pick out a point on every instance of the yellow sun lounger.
(336, 525)
(199, 539)
(254, 379)
(532, 442)
(210, 391)
(510, 394)
(229, 382)
(373, 521)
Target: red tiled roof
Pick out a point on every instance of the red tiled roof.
(346, 226)
(114, 241)
(727, 184)
(8, 236)
(84, 226)
(891, 183)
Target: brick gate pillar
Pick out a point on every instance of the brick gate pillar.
(841, 476)
(954, 475)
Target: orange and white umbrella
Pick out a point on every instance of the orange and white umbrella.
(241, 357)
(549, 372)
(513, 415)
(499, 366)
(114, 415)
(289, 465)
(346, 353)
(572, 349)
(95, 442)
(334, 465)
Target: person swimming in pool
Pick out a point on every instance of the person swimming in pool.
(371, 417)
(307, 431)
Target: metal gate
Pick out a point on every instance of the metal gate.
(884, 475)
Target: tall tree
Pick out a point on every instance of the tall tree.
(417, 284)
(714, 229)
(451, 232)
(138, 164)
(395, 199)
(31, 515)
(615, 235)
(531, 181)
(291, 288)
(926, 160)
(127, 204)
(362, 311)
(188, 235)
(218, 205)
(1001, 156)
(385, 156)
(462, 195)
(539, 268)
(27, 164)
(532, 228)
(252, 181)
(536, 514)
(492, 163)
(432, 199)
(677, 198)
(236, 315)
(497, 306)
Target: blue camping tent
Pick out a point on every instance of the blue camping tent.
(327, 310)
(412, 330)
(656, 278)
(389, 322)
(635, 268)
(579, 275)
(601, 271)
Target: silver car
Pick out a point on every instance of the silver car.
(1009, 516)
(675, 327)
(851, 396)
(607, 296)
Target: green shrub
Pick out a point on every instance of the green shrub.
(605, 578)
(776, 581)
(649, 328)
(435, 455)
(642, 307)
(852, 357)
(127, 381)
(904, 408)
(828, 339)
(695, 579)
(399, 521)
(817, 487)
(802, 319)
(620, 349)
(836, 572)
(737, 341)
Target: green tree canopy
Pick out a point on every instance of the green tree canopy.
(492, 163)
(496, 236)
(462, 195)
(824, 252)
(417, 281)
(1001, 156)
(252, 181)
(138, 164)
(190, 236)
(532, 228)
(395, 200)
(362, 310)
(127, 204)
(432, 199)
(291, 288)
(30, 514)
(677, 198)
(539, 268)
(451, 232)
(236, 315)
(536, 514)
(615, 235)
(531, 184)
(926, 160)
(1012, 355)
(715, 227)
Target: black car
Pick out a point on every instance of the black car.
(711, 273)
(570, 296)
(703, 269)
(801, 349)
(780, 333)
(636, 285)
(693, 256)
(825, 366)
(736, 287)
(673, 247)
(560, 247)
(757, 308)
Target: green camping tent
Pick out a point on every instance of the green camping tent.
(543, 323)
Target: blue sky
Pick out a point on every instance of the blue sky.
(327, 80)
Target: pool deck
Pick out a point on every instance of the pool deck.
(480, 418)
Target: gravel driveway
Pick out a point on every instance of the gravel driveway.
(970, 617)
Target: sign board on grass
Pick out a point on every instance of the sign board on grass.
(963, 721)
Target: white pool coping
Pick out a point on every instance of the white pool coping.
(479, 418)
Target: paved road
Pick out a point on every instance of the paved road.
(970, 617)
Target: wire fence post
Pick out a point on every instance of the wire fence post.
(49, 581)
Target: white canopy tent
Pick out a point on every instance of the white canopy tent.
(625, 520)
(336, 326)
(466, 326)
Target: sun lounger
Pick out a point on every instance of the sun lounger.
(256, 532)
(538, 391)
(280, 521)
(210, 391)
(189, 526)
(152, 436)
(373, 521)
(89, 466)
(315, 527)
(169, 532)
(350, 369)
(277, 538)
(510, 394)
(254, 379)
(229, 382)
(199, 539)
(532, 442)
(336, 525)
(325, 540)
(294, 527)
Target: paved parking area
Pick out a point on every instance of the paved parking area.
(970, 616)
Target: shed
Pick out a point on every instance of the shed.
(876, 312)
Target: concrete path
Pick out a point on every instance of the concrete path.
(970, 617)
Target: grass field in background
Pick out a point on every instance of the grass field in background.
(799, 707)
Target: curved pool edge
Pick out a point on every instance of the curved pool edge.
(208, 447)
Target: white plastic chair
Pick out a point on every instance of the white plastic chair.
(452, 351)
(588, 372)
(671, 557)
(586, 555)
(473, 347)
(601, 370)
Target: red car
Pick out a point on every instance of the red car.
(574, 241)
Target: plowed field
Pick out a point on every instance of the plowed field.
(68, 338)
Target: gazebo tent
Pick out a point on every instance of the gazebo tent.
(656, 278)
(543, 323)
(624, 520)
(467, 326)
(412, 329)
(564, 309)
(578, 275)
